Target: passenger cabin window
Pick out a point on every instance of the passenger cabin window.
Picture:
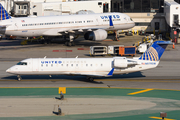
(22, 63)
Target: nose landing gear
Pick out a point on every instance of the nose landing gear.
(19, 78)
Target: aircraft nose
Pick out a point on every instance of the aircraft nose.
(133, 23)
(8, 70)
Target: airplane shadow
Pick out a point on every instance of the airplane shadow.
(80, 41)
(14, 42)
(56, 113)
(55, 78)
(58, 98)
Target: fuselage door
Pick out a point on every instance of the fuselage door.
(35, 64)
(15, 25)
(97, 21)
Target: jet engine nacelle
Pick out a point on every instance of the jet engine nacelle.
(96, 35)
(120, 63)
(124, 63)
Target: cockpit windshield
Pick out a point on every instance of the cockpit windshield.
(21, 63)
(131, 19)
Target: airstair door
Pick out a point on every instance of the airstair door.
(15, 24)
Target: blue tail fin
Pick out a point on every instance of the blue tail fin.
(155, 52)
(3, 13)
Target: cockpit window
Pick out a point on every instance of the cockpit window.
(22, 63)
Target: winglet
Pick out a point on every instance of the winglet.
(111, 72)
(156, 50)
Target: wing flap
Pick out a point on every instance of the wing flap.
(90, 74)
(95, 74)
(80, 30)
(52, 32)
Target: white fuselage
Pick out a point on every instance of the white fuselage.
(59, 25)
(78, 66)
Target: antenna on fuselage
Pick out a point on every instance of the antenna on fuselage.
(44, 57)
(76, 56)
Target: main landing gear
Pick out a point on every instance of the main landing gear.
(115, 35)
(19, 78)
(71, 40)
(45, 40)
(90, 79)
(69, 43)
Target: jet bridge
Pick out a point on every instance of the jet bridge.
(172, 16)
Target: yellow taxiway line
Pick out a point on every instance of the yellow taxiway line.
(160, 118)
(146, 90)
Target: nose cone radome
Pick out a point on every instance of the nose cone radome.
(8, 70)
(133, 24)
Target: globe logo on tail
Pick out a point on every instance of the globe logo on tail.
(151, 54)
(3, 13)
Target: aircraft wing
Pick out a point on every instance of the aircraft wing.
(89, 74)
(96, 74)
(55, 32)
(73, 30)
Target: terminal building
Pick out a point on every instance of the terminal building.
(148, 15)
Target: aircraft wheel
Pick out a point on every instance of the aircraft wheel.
(73, 44)
(91, 79)
(48, 41)
(66, 43)
(69, 43)
(42, 41)
(19, 78)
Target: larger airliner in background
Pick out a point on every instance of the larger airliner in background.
(90, 67)
(93, 26)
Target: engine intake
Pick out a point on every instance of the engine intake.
(96, 35)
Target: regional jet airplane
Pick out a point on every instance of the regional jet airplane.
(93, 26)
(90, 67)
